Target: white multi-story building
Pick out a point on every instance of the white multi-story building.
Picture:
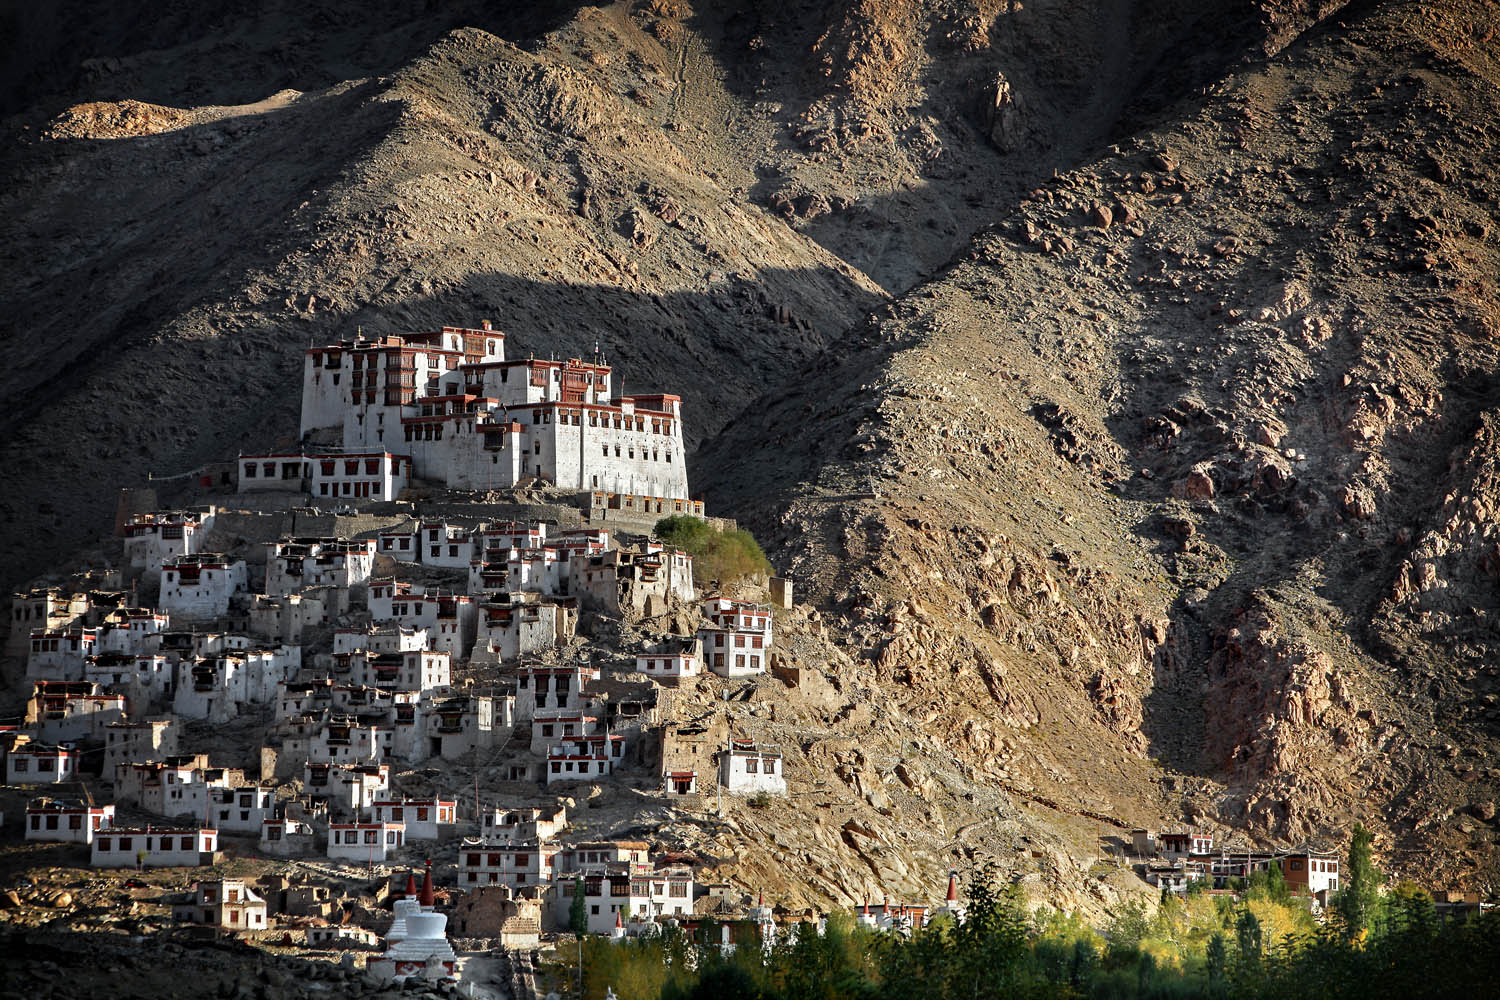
(585, 758)
(512, 629)
(199, 588)
(748, 768)
(296, 564)
(430, 543)
(66, 822)
(62, 711)
(470, 419)
(241, 810)
(543, 689)
(347, 788)
(290, 617)
(132, 630)
(119, 847)
(364, 841)
(180, 786)
(225, 903)
(456, 727)
(741, 616)
(422, 817)
(215, 687)
(148, 677)
(156, 538)
(138, 742)
(643, 580)
(60, 655)
(344, 740)
(421, 670)
(388, 638)
(449, 619)
(554, 726)
(514, 864)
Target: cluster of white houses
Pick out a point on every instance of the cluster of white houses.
(351, 649)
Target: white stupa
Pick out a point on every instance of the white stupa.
(417, 942)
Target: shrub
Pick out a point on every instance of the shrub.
(717, 555)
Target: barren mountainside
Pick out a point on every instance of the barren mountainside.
(1116, 380)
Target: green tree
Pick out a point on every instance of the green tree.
(1247, 933)
(1127, 930)
(1216, 958)
(1358, 900)
(717, 555)
(578, 912)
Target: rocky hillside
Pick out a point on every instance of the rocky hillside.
(1117, 378)
(1191, 454)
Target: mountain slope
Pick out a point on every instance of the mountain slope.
(1193, 449)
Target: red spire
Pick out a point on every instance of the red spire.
(411, 885)
(428, 899)
(953, 887)
(618, 922)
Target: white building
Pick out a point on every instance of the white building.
(519, 627)
(422, 817)
(66, 822)
(430, 543)
(63, 711)
(542, 689)
(637, 580)
(420, 670)
(38, 764)
(554, 726)
(470, 419)
(198, 588)
(349, 475)
(344, 740)
(388, 638)
(749, 768)
(138, 742)
(371, 842)
(530, 825)
(456, 727)
(216, 688)
(119, 847)
(132, 630)
(181, 786)
(348, 789)
(296, 564)
(514, 864)
(46, 609)
(162, 536)
(449, 619)
(148, 677)
(286, 837)
(59, 655)
(228, 904)
(616, 893)
(740, 616)
(290, 617)
(674, 659)
(241, 810)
